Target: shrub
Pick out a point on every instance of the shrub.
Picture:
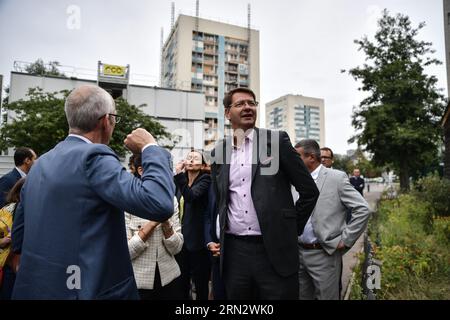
(436, 192)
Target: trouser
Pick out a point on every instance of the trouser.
(195, 265)
(248, 273)
(218, 287)
(319, 274)
(9, 278)
(171, 291)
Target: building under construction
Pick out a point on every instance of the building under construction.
(210, 57)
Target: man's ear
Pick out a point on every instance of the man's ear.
(227, 113)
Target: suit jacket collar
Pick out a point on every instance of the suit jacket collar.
(78, 138)
(322, 177)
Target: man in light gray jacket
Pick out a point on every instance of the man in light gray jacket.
(327, 236)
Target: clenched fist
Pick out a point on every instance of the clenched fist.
(138, 139)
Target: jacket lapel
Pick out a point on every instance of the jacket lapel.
(256, 152)
(323, 173)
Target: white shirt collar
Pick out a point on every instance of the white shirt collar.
(315, 173)
(22, 174)
(80, 137)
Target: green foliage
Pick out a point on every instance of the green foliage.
(40, 68)
(436, 192)
(358, 160)
(398, 121)
(133, 117)
(40, 123)
(415, 254)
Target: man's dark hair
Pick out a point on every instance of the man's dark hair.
(328, 149)
(309, 146)
(21, 154)
(229, 95)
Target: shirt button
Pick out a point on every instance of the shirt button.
(243, 179)
(249, 228)
(242, 165)
(244, 195)
(246, 211)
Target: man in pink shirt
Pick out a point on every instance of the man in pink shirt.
(252, 174)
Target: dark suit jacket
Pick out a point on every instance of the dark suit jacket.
(210, 217)
(71, 214)
(195, 202)
(6, 183)
(357, 183)
(278, 218)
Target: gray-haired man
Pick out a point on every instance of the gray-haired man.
(326, 236)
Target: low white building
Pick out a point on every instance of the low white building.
(180, 111)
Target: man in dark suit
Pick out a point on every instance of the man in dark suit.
(252, 173)
(70, 226)
(357, 182)
(23, 160)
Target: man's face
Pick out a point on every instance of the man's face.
(109, 125)
(325, 156)
(308, 160)
(356, 173)
(30, 161)
(241, 114)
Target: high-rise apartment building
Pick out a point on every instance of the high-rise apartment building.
(301, 117)
(210, 57)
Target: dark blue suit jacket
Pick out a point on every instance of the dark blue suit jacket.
(195, 202)
(71, 214)
(6, 183)
(210, 218)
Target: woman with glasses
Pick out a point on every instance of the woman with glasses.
(192, 189)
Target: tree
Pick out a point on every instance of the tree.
(398, 121)
(40, 123)
(39, 67)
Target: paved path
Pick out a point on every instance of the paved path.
(350, 260)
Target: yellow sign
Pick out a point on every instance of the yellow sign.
(112, 70)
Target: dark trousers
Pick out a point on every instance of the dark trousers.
(248, 273)
(171, 291)
(9, 277)
(195, 265)
(218, 286)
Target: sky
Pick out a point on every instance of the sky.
(304, 44)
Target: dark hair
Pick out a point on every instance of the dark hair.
(137, 162)
(328, 149)
(21, 154)
(309, 146)
(14, 194)
(229, 95)
(131, 160)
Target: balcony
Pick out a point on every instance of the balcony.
(209, 62)
(210, 94)
(209, 41)
(197, 49)
(197, 81)
(210, 51)
(197, 59)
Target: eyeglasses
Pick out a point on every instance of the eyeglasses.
(117, 117)
(328, 158)
(241, 103)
